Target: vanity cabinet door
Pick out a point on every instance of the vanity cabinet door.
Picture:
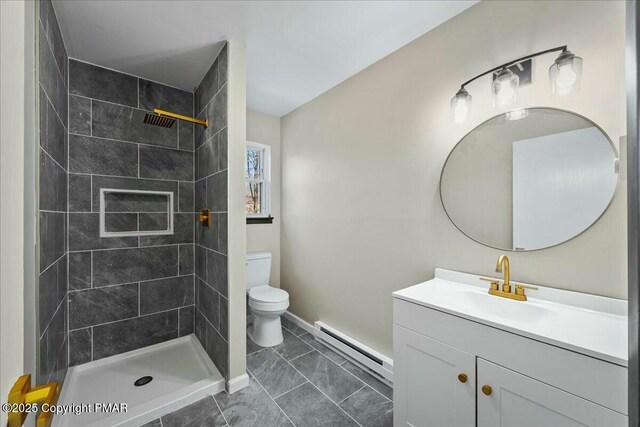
(518, 400)
(434, 384)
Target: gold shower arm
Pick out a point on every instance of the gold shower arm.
(205, 123)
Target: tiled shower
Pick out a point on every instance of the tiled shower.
(127, 292)
(103, 296)
(52, 198)
(211, 314)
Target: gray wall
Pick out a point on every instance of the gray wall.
(128, 292)
(211, 320)
(52, 198)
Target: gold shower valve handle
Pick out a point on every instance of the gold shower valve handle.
(205, 217)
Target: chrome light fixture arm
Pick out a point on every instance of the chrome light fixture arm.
(564, 76)
(514, 62)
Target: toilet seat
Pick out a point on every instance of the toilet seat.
(268, 298)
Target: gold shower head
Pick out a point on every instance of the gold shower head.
(166, 119)
(156, 120)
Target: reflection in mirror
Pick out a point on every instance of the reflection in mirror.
(530, 180)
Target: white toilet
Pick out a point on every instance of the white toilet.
(266, 303)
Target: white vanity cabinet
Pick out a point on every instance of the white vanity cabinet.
(517, 400)
(442, 360)
(434, 382)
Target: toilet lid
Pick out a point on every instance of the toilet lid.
(268, 294)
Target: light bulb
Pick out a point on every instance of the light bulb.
(460, 112)
(505, 93)
(504, 88)
(566, 76)
(460, 106)
(565, 73)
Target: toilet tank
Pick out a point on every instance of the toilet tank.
(258, 269)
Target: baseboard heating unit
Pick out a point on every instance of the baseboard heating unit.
(359, 352)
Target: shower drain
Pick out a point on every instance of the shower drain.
(143, 381)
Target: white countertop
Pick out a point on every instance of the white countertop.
(588, 324)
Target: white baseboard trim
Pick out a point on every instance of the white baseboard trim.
(237, 383)
(357, 352)
(383, 371)
(298, 321)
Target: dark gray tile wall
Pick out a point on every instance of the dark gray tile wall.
(52, 198)
(154, 95)
(95, 306)
(160, 163)
(118, 337)
(99, 297)
(166, 294)
(123, 123)
(102, 157)
(210, 103)
(134, 291)
(92, 81)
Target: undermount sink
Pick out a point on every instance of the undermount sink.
(489, 305)
(587, 324)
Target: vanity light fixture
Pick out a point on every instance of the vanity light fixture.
(564, 76)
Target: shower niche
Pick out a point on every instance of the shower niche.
(135, 213)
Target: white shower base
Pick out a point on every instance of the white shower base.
(182, 374)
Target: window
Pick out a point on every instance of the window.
(257, 175)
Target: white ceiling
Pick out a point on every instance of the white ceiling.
(295, 50)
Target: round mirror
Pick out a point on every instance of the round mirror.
(529, 179)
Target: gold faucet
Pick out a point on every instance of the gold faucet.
(504, 260)
(505, 292)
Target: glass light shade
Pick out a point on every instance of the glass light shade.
(505, 88)
(566, 73)
(460, 106)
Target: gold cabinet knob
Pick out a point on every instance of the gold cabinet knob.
(486, 389)
(462, 378)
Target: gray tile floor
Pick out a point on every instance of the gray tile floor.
(297, 383)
